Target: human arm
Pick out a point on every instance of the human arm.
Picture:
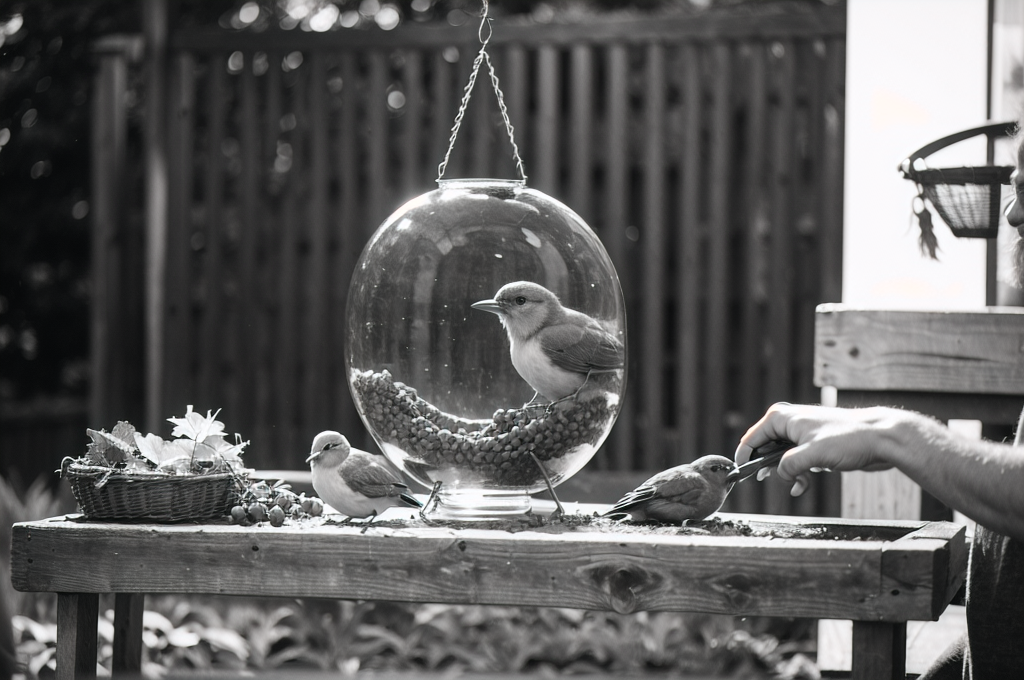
(984, 480)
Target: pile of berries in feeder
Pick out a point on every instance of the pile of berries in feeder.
(497, 449)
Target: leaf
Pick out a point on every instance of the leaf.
(107, 449)
(157, 451)
(196, 427)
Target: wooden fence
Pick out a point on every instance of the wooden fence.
(705, 152)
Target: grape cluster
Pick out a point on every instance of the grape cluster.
(501, 448)
(262, 502)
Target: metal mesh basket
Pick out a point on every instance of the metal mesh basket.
(967, 198)
(106, 494)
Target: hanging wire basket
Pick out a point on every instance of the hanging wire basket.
(966, 198)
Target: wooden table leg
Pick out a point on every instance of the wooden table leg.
(77, 615)
(127, 660)
(879, 650)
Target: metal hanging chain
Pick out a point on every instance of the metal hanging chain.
(482, 56)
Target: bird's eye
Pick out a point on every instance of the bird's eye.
(328, 447)
(520, 300)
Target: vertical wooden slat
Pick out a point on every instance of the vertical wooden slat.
(269, 425)
(546, 137)
(716, 338)
(515, 85)
(808, 228)
(250, 327)
(652, 241)
(109, 145)
(780, 308)
(830, 243)
(179, 383)
(581, 103)
(210, 350)
(443, 109)
(77, 618)
(480, 140)
(154, 26)
(377, 147)
(288, 377)
(413, 179)
(317, 344)
(349, 237)
(688, 318)
(754, 297)
(832, 155)
(615, 206)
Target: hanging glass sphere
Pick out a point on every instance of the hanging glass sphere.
(486, 343)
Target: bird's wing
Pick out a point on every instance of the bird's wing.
(582, 349)
(370, 478)
(669, 486)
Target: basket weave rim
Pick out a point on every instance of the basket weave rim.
(978, 174)
(84, 470)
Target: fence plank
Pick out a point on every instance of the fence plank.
(613, 224)
(780, 307)
(349, 235)
(652, 240)
(210, 353)
(517, 93)
(689, 259)
(317, 339)
(546, 149)
(178, 381)
(581, 109)
(719, 278)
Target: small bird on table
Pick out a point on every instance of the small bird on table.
(555, 349)
(353, 482)
(695, 490)
(684, 492)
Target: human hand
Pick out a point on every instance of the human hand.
(826, 438)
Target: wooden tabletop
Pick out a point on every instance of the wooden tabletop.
(782, 566)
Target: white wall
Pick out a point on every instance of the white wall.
(916, 72)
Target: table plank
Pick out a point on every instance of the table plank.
(624, 569)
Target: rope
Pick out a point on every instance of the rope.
(482, 56)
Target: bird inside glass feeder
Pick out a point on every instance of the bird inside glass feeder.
(486, 416)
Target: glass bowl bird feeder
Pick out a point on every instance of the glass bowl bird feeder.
(461, 406)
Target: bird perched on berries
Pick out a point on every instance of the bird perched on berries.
(555, 349)
(684, 492)
(354, 482)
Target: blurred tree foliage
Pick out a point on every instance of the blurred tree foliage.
(45, 81)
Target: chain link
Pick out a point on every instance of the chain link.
(482, 56)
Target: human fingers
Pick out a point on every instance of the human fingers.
(770, 426)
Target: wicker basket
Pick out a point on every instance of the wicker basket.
(103, 494)
(967, 198)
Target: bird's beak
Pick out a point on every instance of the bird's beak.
(492, 306)
(313, 456)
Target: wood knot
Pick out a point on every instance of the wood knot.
(737, 590)
(624, 586)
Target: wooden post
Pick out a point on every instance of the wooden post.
(154, 24)
(77, 614)
(128, 609)
(879, 650)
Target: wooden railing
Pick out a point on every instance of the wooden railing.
(706, 153)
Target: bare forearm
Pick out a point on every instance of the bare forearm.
(982, 479)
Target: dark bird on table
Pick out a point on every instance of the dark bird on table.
(354, 482)
(555, 349)
(695, 490)
(684, 492)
